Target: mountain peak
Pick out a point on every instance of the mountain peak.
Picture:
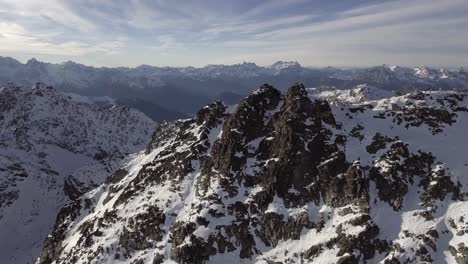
(72, 63)
(9, 61)
(53, 149)
(423, 71)
(248, 63)
(265, 88)
(41, 86)
(255, 184)
(285, 64)
(32, 61)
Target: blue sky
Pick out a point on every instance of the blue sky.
(201, 32)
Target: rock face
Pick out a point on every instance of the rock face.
(284, 178)
(52, 151)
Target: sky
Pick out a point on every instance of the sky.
(202, 32)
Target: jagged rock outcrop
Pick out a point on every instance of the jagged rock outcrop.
(282, 178)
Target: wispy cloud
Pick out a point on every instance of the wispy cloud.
(252, 26)
(178, 32)
(15, 38)
(385, 31)
(167, 44)
(50, 27)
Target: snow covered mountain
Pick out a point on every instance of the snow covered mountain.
(308, 176)
(357, 95)
(169, 93)
(53, 149)
(407, 79)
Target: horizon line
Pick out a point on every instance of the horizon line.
(25, 61)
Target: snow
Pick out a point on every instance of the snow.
(54, 136)
(358, 95)
(184, 201)
(448, 146)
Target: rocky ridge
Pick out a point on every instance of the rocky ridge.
(284, 178)
(54, 149)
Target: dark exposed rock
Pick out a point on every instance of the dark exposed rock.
(101, 154)
(17, 170)
(7, 198)
(356, 132)
(300, 144)
(176, 160)
(143, 230)
(197, 251)
(275, 228)
(460, 252)
(208, 115)
(73, 188)
(313, 251)
(116, 176)
(378, 142)
(418, 112)
(52, 245)
(391, 261)
(158, 259)
(345, 187)
(437, 186)
(395, 170)
(350, 259)
(243, 126)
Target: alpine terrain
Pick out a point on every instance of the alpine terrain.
(53, 149)
(361, 175)
(170, 93)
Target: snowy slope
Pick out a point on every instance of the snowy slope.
(288, 178)
(52, 149)
(358, 95)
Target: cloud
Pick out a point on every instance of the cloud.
(271, 7)
(51, 27)
(17, 39)
(206, 31)
(167, 44)
(249, 27)
(398, 13)
(38, 14)
(403, 29)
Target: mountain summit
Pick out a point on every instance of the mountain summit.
(53, 149)
(285, 178)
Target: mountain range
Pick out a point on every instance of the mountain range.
(310, 175)
(169, 93)
(53, 149)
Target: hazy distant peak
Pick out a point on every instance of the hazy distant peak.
(285, 64)
(41, 86)
(32, 61)
(423, 71)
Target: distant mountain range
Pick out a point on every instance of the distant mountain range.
(167, 93)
